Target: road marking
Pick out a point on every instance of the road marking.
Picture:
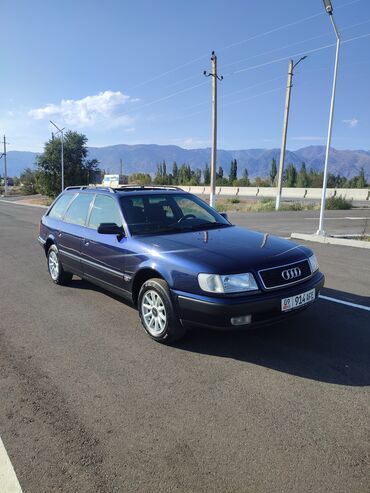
(342, 302)
(337, 218)
(8, 479)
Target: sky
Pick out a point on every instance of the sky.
(131, 72)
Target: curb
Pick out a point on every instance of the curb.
(331, 240)
(19, 202)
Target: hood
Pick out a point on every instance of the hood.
(225, 250)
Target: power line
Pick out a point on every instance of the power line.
(320, 48)
(270, 51)
(292, 44)
(237, 43)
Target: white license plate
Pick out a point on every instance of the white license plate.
(297, 300)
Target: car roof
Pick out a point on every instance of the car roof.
(128, 190)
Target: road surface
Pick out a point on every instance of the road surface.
(90, 404)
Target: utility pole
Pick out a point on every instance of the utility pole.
(215, 78)
(5, 167)
(291, 67)
(121, 167)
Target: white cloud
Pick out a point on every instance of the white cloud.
(86, 112)
(352, 122)
(192, 143)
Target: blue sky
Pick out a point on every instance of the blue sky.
(132, 71)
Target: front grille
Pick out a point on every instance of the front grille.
(274, 278)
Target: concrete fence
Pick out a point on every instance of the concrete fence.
(356, 194)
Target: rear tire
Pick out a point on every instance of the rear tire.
(57, 273)
(157, 314)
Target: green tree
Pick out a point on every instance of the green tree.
(206, 174)
(175, 172)
(161, 177)
(244, 180)
(233, 175)
(28, 180)
(316, 179)
(140, 178)
(361, 181)
(303, 179)
(291, 175)
(78, 170)
(273, 171)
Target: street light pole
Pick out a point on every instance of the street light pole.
(60, 130)
(329, 9)
(291, 67)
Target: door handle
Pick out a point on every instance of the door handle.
(60, 234)
(86, 242)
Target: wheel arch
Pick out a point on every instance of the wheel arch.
(142, 276)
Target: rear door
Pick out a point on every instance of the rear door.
(71, 234)
(103, 255)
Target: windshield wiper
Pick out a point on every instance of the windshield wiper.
(206, 225)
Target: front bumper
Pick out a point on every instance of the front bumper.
(264, 307)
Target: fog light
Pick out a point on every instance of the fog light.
(244, 320)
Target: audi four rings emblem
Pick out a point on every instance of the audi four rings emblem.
(291, 273)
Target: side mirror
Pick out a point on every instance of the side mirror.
(224, 215)
(110, 229)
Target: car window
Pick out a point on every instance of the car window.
(148, 214)
(188, 206)
(104, 210)
(60, 205)
(78, 210)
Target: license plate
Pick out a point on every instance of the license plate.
(297, 300)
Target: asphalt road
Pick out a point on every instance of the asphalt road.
(90, 404)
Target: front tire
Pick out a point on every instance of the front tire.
(156, 312)
(57, 273)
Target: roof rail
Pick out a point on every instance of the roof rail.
(146, 187)
(91, 187)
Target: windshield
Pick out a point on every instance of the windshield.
(169, 213)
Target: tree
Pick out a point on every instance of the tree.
(220, 180)
(29, 181)
(291, 175)
(161, 177)
(316, 179)
(273, 171)
(244, 180)
(361, 181)
(206, 174)
(78, 170)
(175, 172)
(303, 179)
(233, 175)
(140, 178)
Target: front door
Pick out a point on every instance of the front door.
(102, 255)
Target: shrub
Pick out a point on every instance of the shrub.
(338, 203)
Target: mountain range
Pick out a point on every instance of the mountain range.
(144, 158)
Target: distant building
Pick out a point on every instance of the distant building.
(114, 180)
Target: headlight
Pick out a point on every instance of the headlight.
(313, 263)
(234, 283)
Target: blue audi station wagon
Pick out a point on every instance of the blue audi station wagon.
(179, 261)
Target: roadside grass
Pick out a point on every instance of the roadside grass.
(37, 200)
(263, 205)
(338, 203)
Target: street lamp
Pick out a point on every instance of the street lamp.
(60, 130)
(329, 9)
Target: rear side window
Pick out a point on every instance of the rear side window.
(105, 210)
(78, 210)
(60, 206)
